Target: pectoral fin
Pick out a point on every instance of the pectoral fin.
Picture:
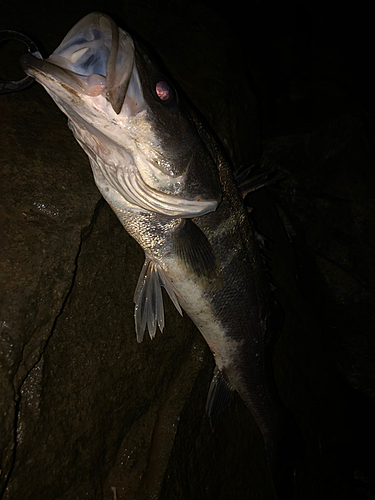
(194, 250)
(148, 298)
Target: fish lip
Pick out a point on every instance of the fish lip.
(42, 70)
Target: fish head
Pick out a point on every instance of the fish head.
(143, 144)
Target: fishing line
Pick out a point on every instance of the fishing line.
(8, 86)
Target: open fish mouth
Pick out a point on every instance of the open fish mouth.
(93, 78)
(94, 57)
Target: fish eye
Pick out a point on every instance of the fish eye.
(163, 91)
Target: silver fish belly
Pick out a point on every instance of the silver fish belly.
(165, 178)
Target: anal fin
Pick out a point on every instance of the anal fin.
(219, 395)
(148, 298)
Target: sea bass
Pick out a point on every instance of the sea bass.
(166, 179)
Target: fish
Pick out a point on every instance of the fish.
(167, 179)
